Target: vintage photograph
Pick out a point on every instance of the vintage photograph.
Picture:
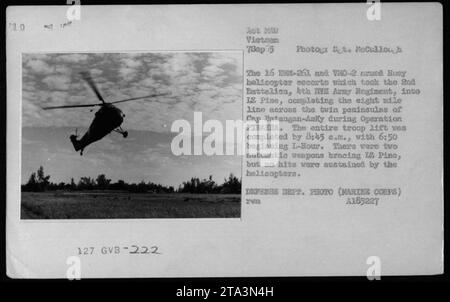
(185, 142)
(112, 135)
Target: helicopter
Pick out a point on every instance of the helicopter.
(107, 119)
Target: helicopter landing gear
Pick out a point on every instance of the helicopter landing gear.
(124, 133)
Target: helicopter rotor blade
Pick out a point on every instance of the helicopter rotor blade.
(139, 98)
(87, 77)
(71, 106)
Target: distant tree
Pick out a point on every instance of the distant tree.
(38, 181)
(86, 183)
(142, 187)
(73, 185)
(102, 182)
(136, 188)
(31, 185)
(195, 185)
(42, 179)
(232, 185)
(119, 185)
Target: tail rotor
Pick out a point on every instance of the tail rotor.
(75, 142)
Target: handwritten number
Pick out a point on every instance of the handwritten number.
(17, 27)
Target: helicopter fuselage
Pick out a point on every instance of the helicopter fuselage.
(106, 119)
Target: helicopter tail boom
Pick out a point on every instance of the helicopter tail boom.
(76, 143)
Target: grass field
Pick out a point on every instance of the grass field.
(105, 205)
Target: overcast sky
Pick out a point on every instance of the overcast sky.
(210, 82)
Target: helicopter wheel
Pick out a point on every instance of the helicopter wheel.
(125, 134)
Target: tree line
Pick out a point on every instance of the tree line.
(39, 182)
